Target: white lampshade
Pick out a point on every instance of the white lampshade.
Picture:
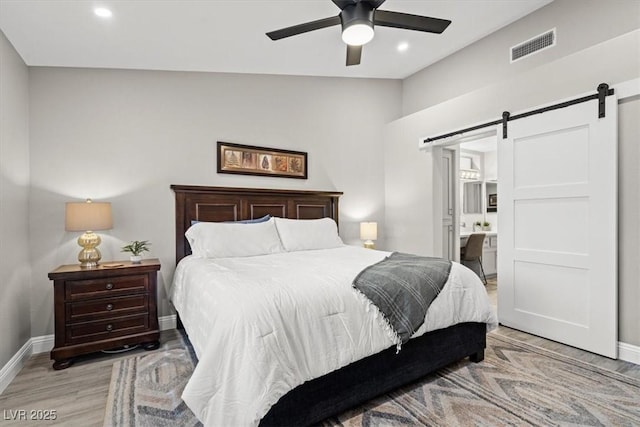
(368, 230)
(85, 216)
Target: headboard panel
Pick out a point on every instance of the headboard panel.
(215, 204)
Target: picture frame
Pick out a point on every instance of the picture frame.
(263, 161)
(492, 205)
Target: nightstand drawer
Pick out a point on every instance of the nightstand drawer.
(106, 307)
(104, 287)
(105, 329)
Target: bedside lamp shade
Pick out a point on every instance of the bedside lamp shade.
(368, 233)
(88, 217)
(83, 216)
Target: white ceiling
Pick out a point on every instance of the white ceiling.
(229, 36)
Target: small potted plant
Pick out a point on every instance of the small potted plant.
(137, 247)
(477, 226)
(486, 226)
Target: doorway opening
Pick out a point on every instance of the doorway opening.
(479, 206)
(473, 182)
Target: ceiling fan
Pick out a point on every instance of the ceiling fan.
(358, 18)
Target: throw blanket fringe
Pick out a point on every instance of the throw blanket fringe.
(388, 328)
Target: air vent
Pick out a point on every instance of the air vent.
(533, 45)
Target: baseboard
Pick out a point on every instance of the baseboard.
(44, 344)
(14, 365)
(167, 322)
(629, 353)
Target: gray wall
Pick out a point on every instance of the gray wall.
(629, 220)
(543, 80)
(125, 136)
(579, 24)
(15, 323)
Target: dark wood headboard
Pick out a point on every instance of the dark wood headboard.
(215, 204)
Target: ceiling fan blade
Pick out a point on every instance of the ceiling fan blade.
(304, 28)
(407, 21)
(353, 55)
(344, 3)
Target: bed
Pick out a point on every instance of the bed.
(318, 397)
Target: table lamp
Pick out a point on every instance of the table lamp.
(88, 217)
(368, 233)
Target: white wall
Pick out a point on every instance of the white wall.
(613, 61)
(15, 320)
(579, 24)
(125, 136)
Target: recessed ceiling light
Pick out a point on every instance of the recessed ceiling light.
(102, 12)
(403, 46)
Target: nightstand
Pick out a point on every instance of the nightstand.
(104, 308)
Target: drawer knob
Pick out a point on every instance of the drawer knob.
(109, 307)
(109, 286)
(109, 327)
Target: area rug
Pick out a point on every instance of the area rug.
(516, 385)
(145, 390)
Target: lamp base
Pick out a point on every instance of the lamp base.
(369, 244)
(89, 255)
(88, 264)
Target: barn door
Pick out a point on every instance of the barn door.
(557, 259)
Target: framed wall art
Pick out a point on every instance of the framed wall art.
(492, 206)
(263, 161)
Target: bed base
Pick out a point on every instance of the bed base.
(368, 378)
(365, 379)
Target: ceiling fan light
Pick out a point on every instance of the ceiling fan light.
(357, 34)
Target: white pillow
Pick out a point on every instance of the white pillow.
(222, 240)
(307, 234)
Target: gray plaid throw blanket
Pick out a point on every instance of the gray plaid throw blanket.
(403, 286)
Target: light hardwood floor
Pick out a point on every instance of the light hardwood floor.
(623, 367)
(79, 394)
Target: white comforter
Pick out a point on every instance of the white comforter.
(263, 325)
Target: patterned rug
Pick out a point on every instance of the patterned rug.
(516, 385)
(145, 390)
